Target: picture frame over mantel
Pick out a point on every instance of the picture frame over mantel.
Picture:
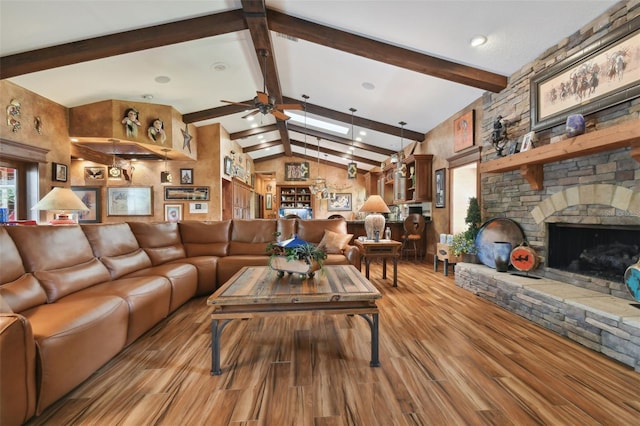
(599, 76)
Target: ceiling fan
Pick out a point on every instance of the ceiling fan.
(264, 103)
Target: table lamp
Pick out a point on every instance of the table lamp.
(62, 201)
(374, 221)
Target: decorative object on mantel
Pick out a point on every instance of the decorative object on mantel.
(524, 258)
(575, 125)
(499, 136)
(632, 280)
(374, 222)
(295, 256)
(13, 113)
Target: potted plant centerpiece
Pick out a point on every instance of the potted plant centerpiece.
(464, 243)
(295, 256)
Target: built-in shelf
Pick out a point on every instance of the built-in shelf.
(530, 162)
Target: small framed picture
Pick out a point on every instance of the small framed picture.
(515, 147)
(173, 213)
(527, 142)
(228, 166)
(186, 176)
(59, 172)
(95, 174)
(268, 201)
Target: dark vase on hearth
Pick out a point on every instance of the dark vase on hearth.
(502, 255)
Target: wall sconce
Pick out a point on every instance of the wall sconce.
(63, 201)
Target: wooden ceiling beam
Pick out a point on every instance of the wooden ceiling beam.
(253, 132)
(120, 43)
(341, 154)
(262, 145)
(337, 139)
(386, 53)
(255, 15)
(208, 114)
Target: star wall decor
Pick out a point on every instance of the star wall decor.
(187, 138)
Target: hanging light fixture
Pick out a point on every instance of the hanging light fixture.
(320, 184)
(352, 167)
(305, 97)
(165, 176)
(400, 181)
(115, 173)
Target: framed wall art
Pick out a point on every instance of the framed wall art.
(186, 176)
(268, 201)
(90, 196)
(173, 213)
(296, 171)
(228, 166)
(339, 202)
(463, 131)
(130, 201)
(440, 188)
(59, 172)
(599, 76)
(200, 193)
(95, 174)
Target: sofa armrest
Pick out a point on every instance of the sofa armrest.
(353, 256)
(17, 370)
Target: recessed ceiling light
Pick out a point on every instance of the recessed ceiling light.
(478, 40)
(219, 66)
(368, 86)
(162, 79)
(147, 97)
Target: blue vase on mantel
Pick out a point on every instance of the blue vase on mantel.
(575, 125)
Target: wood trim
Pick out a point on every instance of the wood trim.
(468, 156)
(22, 152)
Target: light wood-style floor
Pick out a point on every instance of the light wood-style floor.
(448, 358)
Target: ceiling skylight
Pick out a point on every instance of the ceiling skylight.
(318, 123)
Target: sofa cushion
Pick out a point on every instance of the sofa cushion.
(334, 242)
(251, 237)
(205, 238)
(312, 231)
(160, 240)
(48, 247)
(19, 290)
(287, 228)
(122, 265)
(64, 281)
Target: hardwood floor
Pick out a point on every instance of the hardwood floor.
(448, 358)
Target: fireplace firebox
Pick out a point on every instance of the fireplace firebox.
(603, 251)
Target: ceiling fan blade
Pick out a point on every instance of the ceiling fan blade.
(280, 115)
(236, 103)
(263, 98)
(288, 106)
(251, 113)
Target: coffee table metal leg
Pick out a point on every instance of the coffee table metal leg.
(215, 345)
(373, 324)
(384, 268)
(395, 272)
(367, 261)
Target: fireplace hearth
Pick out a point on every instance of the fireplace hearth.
(595, 250)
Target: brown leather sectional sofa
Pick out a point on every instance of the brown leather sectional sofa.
(72, 297)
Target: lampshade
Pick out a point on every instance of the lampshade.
(374, 204)
(61, 200)
(374, 222)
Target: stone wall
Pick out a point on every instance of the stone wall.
(509, 194)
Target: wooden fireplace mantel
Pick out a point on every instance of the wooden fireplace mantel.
(530, 162)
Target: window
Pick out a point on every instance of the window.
(8, 191)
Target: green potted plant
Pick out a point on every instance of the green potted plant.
(295, 256)
(464, 243)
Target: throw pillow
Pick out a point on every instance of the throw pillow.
(334, 243)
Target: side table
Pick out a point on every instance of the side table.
(383, 249)
(444, 254)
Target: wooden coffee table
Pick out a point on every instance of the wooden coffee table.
(256, 291)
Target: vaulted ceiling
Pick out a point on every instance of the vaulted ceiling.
(391, 61)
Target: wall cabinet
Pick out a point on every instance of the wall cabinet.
(419, 172)
(241, 200)
(295, 197)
